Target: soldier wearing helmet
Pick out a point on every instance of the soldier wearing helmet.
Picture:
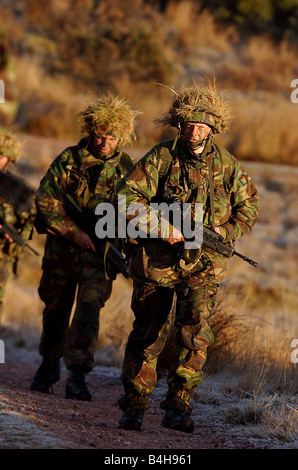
(20, 218)
(193, 169)
(88, 172)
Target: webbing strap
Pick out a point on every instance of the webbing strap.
(211, 186)
(164, 162)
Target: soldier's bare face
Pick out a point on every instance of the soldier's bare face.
(3, 162)
(195, 131)
(105, 144)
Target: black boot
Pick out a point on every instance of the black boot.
(178, 421)
(76, 387)
(47, 374)
(131, 421)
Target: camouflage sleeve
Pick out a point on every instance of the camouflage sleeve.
(49, 200)
(27, 223)
(138, 187)
(244, 202)
(21, 221)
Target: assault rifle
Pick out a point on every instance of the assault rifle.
(86, 220)
(15, 235)
(215, 242)
(211, 239)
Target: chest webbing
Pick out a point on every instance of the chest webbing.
(165, 159)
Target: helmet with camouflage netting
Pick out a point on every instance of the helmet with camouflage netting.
(9, 146)
(205, 104)
(110, 115)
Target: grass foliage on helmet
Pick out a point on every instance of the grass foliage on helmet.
(9, 145)
(199, 103)
(110, 115)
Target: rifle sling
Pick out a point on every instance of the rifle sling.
(211, 187)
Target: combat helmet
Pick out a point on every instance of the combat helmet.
(9, 146)
(205, 104)
(110, 115)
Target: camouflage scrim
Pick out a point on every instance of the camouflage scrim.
(9, 145)
(204, 103)
(111, 115)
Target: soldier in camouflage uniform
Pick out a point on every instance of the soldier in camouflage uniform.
(89, 172)
(20, 219)
(195, 170)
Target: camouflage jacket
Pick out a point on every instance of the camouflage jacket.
(22, 221)
(90, 180)
(16, 209)
(235, 206)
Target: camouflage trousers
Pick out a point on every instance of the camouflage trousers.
(152, 308)
(75, 342)
(6, 268)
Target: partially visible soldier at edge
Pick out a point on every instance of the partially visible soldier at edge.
(21, 219)
(89, 172)
(193, 169)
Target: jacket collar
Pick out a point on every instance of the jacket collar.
(183, 153)
(89, 158)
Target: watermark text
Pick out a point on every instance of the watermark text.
(294, 355)
(2, 92)
(294, 94)
(155, 220)
(2, 352)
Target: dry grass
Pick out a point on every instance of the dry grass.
(198, 29)
(281, 421)
(61, 61)
(49, 109)
(276, 418)
(260, 64)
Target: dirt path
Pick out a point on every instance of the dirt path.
(32, 420)
(36, 420)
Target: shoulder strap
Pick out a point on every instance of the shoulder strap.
(223, 154)
(164, 161)
(211, 187)
(163, 165)
(125, 163)
(72, 159)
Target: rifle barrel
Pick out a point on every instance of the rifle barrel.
(250, 261)
(32, 249)
(17, 238)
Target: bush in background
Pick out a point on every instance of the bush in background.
(66, 52)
